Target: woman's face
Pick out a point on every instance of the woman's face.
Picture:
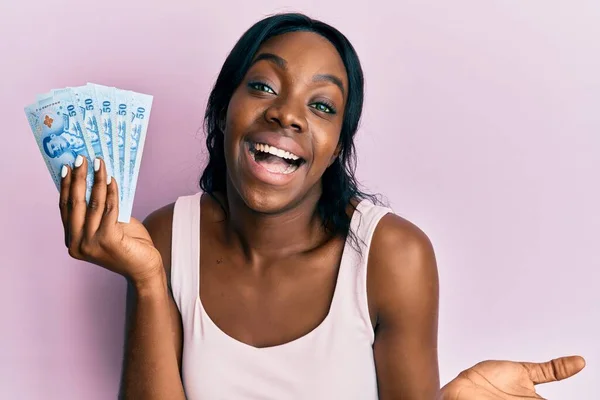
(284, 120)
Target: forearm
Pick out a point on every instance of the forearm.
(150, 368)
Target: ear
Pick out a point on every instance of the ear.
(335, 155)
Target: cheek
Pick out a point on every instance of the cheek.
(234, 120)
(240, 112)
(325, 145)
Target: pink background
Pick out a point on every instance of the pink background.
(482, 126)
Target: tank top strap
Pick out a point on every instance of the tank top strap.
(185, 253)
(353, 269)
(364, 225)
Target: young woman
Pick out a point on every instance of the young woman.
(281, 280)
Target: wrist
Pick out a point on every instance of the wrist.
(150, 284)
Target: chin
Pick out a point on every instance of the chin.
(267, 200)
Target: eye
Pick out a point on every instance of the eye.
(261, 87)
(324, 107)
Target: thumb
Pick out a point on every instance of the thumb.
(554, 370)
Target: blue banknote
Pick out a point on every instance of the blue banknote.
(86, 100)
(69, 102)
(33, 118)
(47, 95)
(140, 114)
(105, 100)
(123, 118)
(57, 129)
(43, 96)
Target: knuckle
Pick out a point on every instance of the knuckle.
(94, 204)
(555, 370)
(104, 243)
(87, 248)
(101, 234)
(63, 203)
(74, 253)
(73, 202)
(105, 240)
(110, 206)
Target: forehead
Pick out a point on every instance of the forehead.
(307, 52)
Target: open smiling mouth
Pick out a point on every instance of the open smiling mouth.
(275, 160)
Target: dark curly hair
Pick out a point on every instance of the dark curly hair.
(339, 184)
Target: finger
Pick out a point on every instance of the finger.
(111, 210)
(554, 370)
(63, 200)
(77, 204)
(95, 208)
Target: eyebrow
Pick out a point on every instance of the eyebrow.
(274, 58)
(330, 78)
(282, 63)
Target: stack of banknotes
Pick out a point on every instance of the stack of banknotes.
(93, 121)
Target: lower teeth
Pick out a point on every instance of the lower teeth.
(291, 168)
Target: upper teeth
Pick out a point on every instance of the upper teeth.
(275, 151)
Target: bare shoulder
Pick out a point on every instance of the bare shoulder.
(402, 268)
(395, 236)
(159, 224)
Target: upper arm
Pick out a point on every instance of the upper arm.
(403, 290)
(159, 226)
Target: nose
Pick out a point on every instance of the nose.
(287, 114)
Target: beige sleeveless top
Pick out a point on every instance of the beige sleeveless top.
(333, 361)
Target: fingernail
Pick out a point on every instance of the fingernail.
(96, 164)
(78, 161)
(63, 172)
(109, 180)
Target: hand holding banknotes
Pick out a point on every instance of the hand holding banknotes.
(93, 121)
(92, 230)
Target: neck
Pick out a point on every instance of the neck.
(267, 236)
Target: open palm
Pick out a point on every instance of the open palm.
(509, 380)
